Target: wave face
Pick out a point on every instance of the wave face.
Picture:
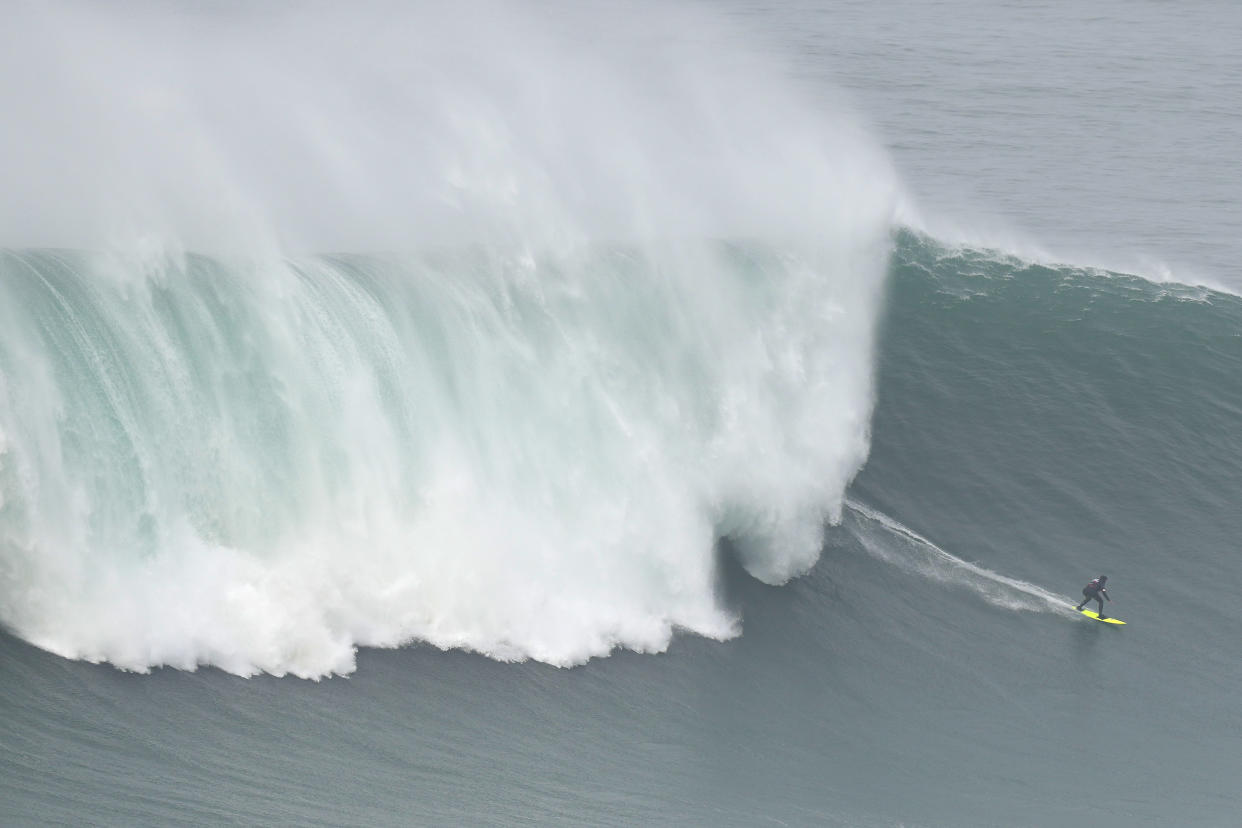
(629, 309)
(1078, 400)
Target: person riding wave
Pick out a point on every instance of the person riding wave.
(1093, 592)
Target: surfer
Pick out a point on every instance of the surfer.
(1093, 592)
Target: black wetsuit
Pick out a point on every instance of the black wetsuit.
(1094, 591)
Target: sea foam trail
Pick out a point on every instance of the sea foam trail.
(916, 553)
(629, 307)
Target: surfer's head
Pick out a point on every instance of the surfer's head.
(1103, 578)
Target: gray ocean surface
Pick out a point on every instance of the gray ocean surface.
(206, 484)
(1096, 133)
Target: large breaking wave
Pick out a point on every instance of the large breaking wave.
(612, 296)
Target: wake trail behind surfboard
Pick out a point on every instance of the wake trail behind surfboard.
(915, 553)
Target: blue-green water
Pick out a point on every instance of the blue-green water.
(606, 498)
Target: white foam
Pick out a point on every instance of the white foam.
(526, 467)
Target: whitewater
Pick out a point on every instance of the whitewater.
(564, 322)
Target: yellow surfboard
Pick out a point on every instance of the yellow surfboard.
(1096, 616)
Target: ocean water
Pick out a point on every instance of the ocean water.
(615, 414)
